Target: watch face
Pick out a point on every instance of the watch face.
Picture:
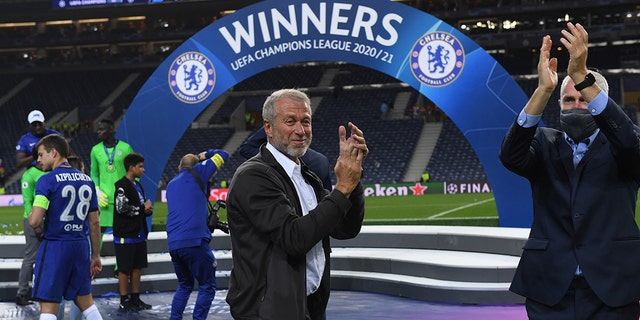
(590, 78)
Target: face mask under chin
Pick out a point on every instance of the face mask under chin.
(578, 124)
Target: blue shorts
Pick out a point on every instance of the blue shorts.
(62, 270)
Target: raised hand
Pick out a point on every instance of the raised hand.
(547, 67)
(547, 79)
(576, 40)
(357, 136)
(353, 151)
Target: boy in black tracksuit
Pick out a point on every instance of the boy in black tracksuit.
(130, 233)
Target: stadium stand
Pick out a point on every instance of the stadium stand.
(356, 103)
(297, 76)
(223, 115)
(350, 75)
(196, 141)
(453, 158)
(396, 137)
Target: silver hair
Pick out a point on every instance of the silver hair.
(269, 107)
(600, 81)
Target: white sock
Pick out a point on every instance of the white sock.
(92, 313)
(48, 316)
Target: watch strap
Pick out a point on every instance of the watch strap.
(588, 81)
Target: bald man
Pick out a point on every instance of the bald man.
(187, 232)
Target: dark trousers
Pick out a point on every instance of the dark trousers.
(190, 264)
(581, 303)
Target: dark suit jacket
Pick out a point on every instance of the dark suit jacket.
(582, 216)
(270, 238)
(316, 161)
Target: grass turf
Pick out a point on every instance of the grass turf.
(434, 209)
(478, 209)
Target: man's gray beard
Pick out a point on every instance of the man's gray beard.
(292, 152)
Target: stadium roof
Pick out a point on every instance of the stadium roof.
(42, 10)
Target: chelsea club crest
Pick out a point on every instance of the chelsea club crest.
(192, 77)
(437, 59)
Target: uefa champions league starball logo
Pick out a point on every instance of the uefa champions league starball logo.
(437, 59)
(192, 77)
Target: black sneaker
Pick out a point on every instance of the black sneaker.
(141, 305)
(127, 306)
(23, 300)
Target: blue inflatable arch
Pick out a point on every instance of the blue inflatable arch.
(478, 95)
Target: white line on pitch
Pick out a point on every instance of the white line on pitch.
(458, 208)
(467, 218)
(423, 219)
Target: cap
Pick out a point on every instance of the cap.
(35, 115)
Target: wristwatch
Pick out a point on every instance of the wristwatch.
(588, 81)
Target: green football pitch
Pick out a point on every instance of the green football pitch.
(478, 209)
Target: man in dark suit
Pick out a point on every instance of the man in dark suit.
(280, 216)
(316, 161)
(582, 258)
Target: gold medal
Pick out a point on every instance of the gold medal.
(110, 155)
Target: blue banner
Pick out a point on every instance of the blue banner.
(401, 41)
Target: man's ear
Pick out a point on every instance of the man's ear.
(268, 129)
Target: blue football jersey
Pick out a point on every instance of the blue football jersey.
(71, 196)
(28, 141)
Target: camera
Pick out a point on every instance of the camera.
(213, 222)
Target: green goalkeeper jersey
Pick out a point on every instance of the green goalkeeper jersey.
(28, 180)
(107, 167)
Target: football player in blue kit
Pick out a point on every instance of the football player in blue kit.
(64, 206)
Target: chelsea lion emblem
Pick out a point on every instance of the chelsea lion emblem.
(192, 77)
(437, 59)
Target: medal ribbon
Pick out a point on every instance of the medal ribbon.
(113, 154)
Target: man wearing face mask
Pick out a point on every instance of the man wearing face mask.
(582, 257)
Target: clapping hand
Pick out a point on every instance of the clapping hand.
(353, 151)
